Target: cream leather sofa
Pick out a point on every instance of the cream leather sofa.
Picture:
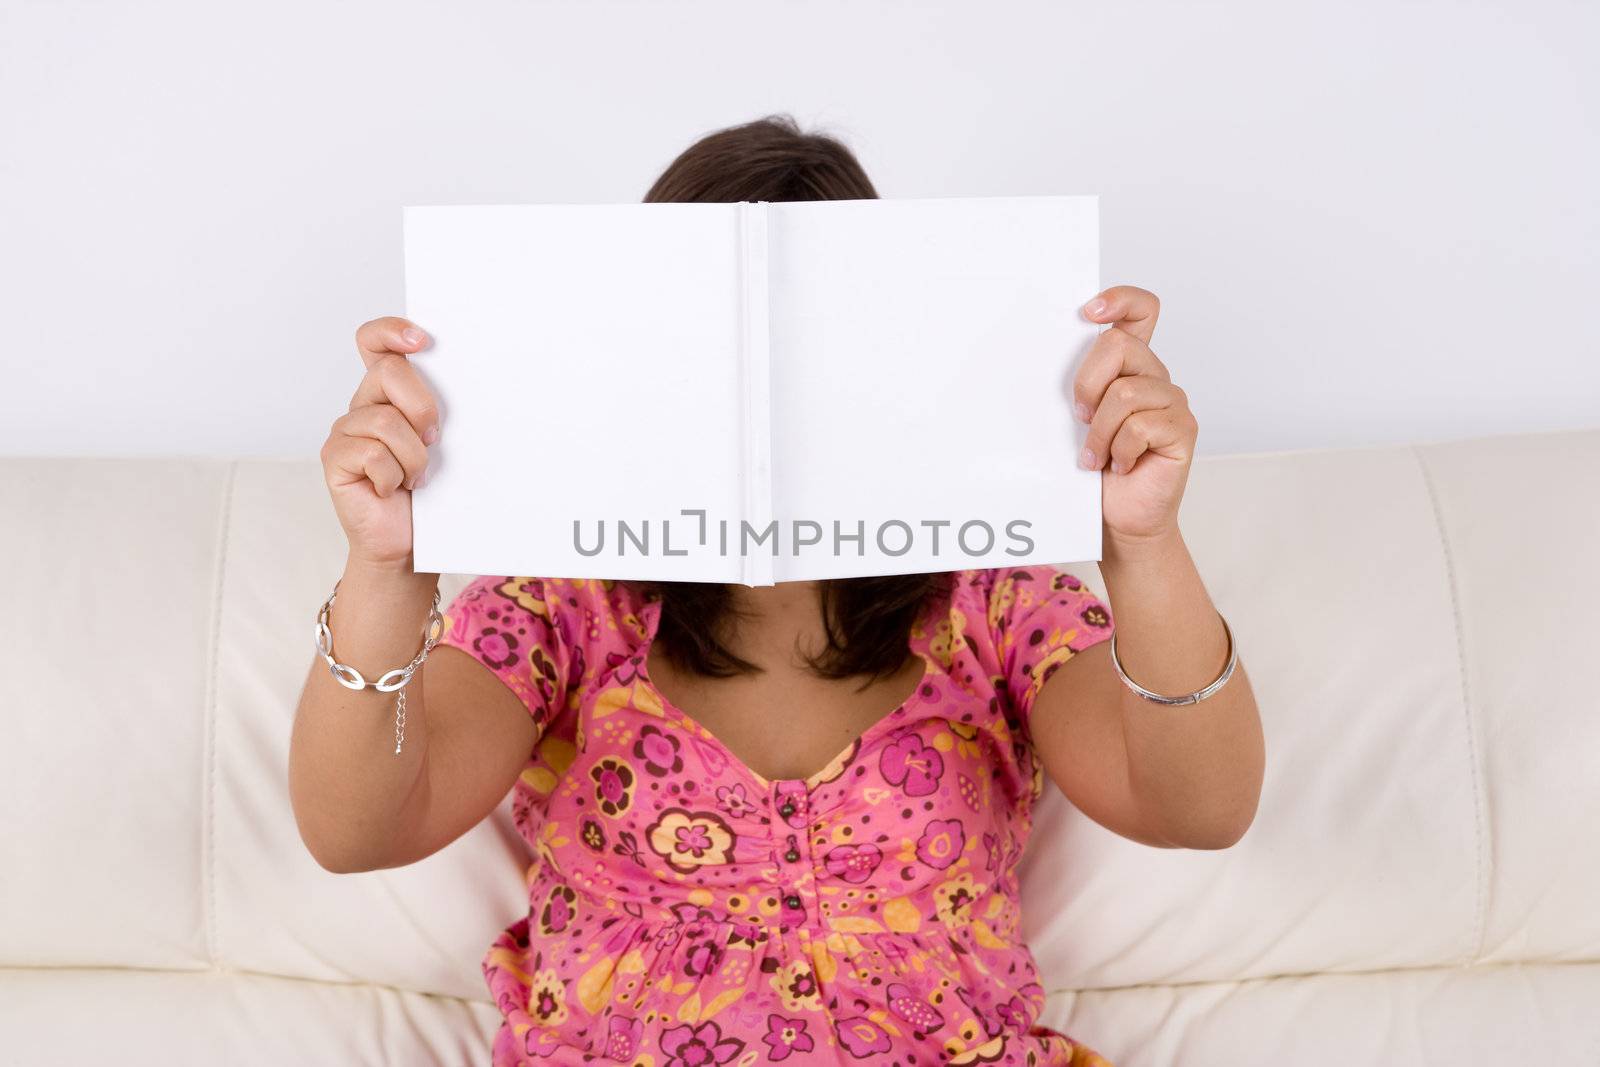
(1421, 885)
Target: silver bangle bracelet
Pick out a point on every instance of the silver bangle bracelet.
(1188, 698)
(388, 682)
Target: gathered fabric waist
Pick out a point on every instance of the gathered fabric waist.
(963, 914)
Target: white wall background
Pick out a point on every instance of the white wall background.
(1369, 222)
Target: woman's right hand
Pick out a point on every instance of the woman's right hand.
(377, 452)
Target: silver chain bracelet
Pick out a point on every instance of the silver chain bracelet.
(394, 681)
(1188, 698)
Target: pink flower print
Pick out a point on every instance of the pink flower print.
(697, 1046)
(853, 863)
(912, 765)
(862, 1037)
(613, 785)
(734, 800)
(907, 1005)
(498, 648)
(623, 1037)
(941, 843)
(703, 955)
(1014, 1014)
(785, 1036)
(659, 750)
(558, 910)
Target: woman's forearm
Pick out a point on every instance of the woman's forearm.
(349, 789)
(1196, 768)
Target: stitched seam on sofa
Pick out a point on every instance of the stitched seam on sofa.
(225, 973)
(1304, 976)
(208, 821)
(1479, 799)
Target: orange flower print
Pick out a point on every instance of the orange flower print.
(1095, 615)
(527, 593)
(547, 998)
(952, 900)
(688, 840)
(795, 983)
(613, 785)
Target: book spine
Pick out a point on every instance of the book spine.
(755, 352)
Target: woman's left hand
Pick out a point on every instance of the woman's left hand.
(1138, 420)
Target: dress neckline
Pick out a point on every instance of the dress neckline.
(650, 614)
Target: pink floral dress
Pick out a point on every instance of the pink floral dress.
(684, 911)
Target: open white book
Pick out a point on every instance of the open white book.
(754, 392)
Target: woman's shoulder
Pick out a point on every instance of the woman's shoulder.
(1000, 594)
(583, 612)
(993, 612)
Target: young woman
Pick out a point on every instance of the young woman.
(779, 824)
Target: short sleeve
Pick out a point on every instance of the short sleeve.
(515, 627)
(1040, 617)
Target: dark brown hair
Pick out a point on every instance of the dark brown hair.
(867, 620)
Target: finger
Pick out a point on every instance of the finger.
(1162, 431)
(394, 381)
(1125, 396)
(353, 459)
(390, 334)
(1114, 353)
(1126, 307)
(385, 423)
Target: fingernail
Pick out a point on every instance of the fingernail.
(1095, 307)
(412, 336)
(430, 435)
(422, 477)
(1116, 466)
(1087, 459)
(1083, 411)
